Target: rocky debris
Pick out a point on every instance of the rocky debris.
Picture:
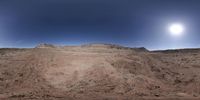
(97, 72)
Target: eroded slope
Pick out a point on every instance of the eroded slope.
(97, 71)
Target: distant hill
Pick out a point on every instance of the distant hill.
(45, 45)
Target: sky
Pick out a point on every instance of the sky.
(132, 23)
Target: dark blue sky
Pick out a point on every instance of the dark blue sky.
(134, 23)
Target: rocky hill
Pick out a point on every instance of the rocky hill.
(99, 72)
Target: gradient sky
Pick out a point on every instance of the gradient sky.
(133, 23)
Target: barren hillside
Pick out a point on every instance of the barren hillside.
(99, 71)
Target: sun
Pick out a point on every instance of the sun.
(176, 29)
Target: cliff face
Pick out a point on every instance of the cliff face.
(97, 72)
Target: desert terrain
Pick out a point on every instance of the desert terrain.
(98, 72)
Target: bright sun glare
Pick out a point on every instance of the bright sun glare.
(176, 29)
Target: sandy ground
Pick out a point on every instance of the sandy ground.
(99, 72)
